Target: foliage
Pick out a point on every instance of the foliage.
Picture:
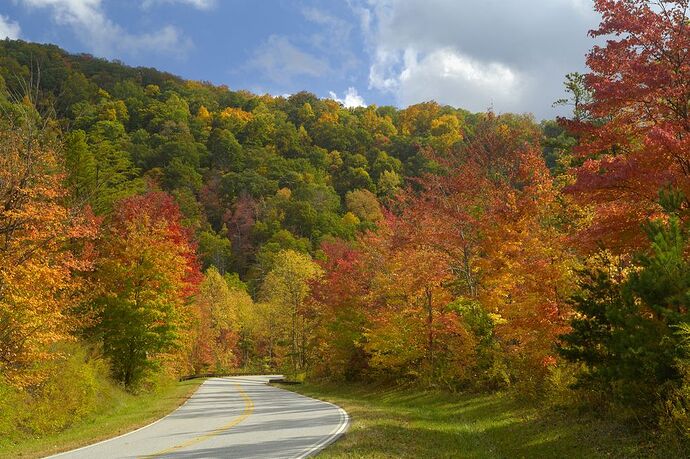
(626, 331)
(634, 130)
(426, 244)
(217, 323)
(146, 270)
(76, 385)
(40, 248)
(286, 286)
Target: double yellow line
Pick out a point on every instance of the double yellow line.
(248, 410)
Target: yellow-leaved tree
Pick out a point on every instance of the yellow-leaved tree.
(217, 325)
(41, 247)
(287, 286)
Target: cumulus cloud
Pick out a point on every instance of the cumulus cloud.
(94, 29)
(351, 98)
(511, 55)
(280, 61)
(451, 77)
(8, 28)
(198, 4)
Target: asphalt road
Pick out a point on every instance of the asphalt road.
(233, 417)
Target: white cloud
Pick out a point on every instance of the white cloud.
(103, 37)
(8, 28)
(279, 61)
(453, 78)
(351, 99)
(198, 4)
(511, 55)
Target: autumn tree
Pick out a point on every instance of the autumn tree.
(410, 330)
(147, 271)
(635, 131)
(492, 219)
(43, 246)
(364, 205)
(216, 323)
(340, 304)
(287, 286)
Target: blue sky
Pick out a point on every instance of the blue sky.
(510, 55)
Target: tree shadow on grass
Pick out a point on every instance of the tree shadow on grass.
(408, 423)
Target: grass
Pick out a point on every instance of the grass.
(407, 423)
(126, 412)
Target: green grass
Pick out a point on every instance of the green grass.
(404, 423)
(124, 413)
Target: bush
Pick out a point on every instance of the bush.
(675, 409)
(11, 404)
(558, 386)
(75, 386)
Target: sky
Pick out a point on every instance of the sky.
(505, 55)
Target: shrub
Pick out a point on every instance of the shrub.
(75, 386)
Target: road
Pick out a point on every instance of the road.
(233, 417)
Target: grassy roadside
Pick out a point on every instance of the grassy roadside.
(127, 412)
(410, 423)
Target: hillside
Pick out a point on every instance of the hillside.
(228, 156)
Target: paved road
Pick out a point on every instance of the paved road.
(234, 417)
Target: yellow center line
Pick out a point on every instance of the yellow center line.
(248, 409)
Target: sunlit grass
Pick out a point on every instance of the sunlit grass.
(406, 423)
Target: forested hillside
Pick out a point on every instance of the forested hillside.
(156, 226)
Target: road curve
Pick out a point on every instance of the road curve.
(233, 417)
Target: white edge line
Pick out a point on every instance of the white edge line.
(333, 436)
(130, 432)
(340, 430)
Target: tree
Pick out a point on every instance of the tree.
(240, 222)
(341, 312)
(364, 205)
(410, 331)
(218, 307)
(81, 166)
(445, 131)
(116, 176)
(579, 95)
(388, 185)
(215, 250)
(225, 153)
(635, 138)
(287, 286)
(44, 245)
(147, 271)
(625, 332)
(491, 219)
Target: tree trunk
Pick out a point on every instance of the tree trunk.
(293, 353)
(430, 327)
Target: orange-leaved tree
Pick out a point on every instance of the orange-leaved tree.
(43, 244)
(492, 218)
